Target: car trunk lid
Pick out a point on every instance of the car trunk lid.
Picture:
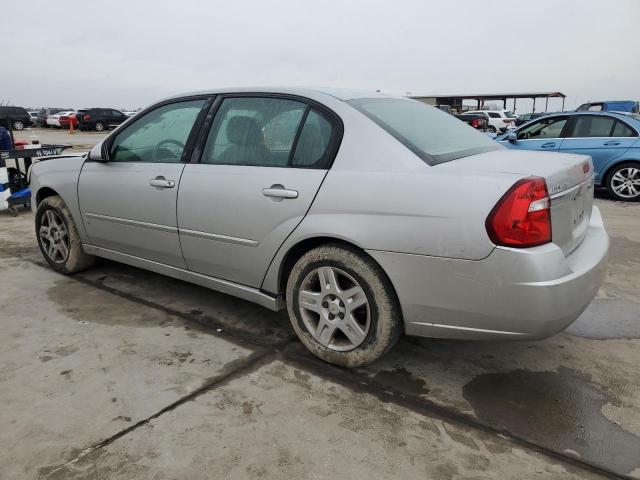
(569, 181)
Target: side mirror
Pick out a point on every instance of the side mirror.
(96, 155)
(512, 137)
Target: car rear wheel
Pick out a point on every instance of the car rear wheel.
(18, 125)
(58, 237)
(491, 129)
(342, 306)
(623, 182)
(99, 126)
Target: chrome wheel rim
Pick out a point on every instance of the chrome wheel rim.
(334, 308)
(99, 127)
(54, 237)
(626, 182)
(18, 126)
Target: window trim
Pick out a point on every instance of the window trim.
(332, 117)
(574, 118)
(191, 139)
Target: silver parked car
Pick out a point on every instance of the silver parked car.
(364, 215)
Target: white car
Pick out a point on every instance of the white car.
(499, 120)
(54, 120)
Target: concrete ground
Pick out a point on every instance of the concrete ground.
(79, 141)
(118, 373)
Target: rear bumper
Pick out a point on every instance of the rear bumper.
(513, 293)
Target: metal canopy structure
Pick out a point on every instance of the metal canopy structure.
(455, 101)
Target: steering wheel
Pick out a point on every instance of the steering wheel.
(176, 151)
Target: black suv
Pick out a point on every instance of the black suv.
(20, 118)
(99, 118)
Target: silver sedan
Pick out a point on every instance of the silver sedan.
(364, 215)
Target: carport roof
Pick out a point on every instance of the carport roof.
(496, 96)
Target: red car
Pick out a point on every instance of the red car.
(64, 120)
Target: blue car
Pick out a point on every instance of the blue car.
(611, 139)
(630, 106)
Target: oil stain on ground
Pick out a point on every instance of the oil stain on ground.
(559, 410)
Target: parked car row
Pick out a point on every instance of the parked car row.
(98, 119)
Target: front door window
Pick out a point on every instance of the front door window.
(546, 128)
(159, 136)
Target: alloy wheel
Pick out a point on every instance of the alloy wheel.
(334, 308)
(626, 182)
(99, 127)
(18, 125)
(54, 237)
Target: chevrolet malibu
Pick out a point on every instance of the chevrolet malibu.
(364, 215)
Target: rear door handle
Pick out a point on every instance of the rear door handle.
(277, 192)
(548, 145)
(161, 182)
(611, 143)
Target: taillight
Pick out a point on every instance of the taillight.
(474, 123)
(86, 117)
(522, 217)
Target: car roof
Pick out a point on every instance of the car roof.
(621, 115)
(339, 93)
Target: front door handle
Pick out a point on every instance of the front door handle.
(161, 182)
(611, 143)
(548, 145)
(277, 192)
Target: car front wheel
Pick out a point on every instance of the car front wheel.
(623, 182)
(58, 237)
(342, 306)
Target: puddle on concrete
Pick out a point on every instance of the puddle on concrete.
(401, 380)
(560, 410)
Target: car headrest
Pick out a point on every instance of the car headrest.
(243, 130)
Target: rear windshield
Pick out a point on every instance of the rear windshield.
(433, 135)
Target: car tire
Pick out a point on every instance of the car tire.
(331, 328)
(55, 226)
(18, 125)
(99, 126)
(622, 180)
(491, 129)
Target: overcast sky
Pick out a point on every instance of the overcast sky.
(130, 53)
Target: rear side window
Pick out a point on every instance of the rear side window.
(159, 136)
(254, 131)
(622, 130)
(592, 126)
(312, 150)
(494, 115)
(433, 135)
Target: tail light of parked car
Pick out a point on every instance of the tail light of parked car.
(522, 217)
(475, 123)
(86, 117)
